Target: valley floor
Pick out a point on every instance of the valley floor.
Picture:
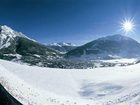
(33, 85)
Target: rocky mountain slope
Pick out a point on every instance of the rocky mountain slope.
(16, 46)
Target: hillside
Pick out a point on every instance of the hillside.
(109, 47)
(15, 46)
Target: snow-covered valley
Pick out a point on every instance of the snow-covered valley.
(33, 85)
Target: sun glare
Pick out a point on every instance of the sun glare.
(128, 25)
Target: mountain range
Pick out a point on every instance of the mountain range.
(17, 47)
(62, 47)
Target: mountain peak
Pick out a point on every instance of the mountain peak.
(116, 37)
(116, 45)
(6, 29)
(8, 35)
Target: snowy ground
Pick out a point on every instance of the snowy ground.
(122, 60)
(45, 86)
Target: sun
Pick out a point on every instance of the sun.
(127, 25)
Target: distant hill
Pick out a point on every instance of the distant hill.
(115, 46)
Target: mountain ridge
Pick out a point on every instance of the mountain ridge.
(18, 47)
(102, 47)
(62, 47)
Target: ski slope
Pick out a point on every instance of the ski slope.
(33, 85)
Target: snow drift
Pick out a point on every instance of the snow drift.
(33, 85)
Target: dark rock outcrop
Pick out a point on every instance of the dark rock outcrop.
(6, 98)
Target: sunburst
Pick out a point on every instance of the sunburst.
(127, 25)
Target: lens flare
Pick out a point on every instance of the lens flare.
(127, 25)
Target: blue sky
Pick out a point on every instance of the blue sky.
(76, 21)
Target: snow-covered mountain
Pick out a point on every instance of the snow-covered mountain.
(32, 85)
(115, 46)
(62, 46)
(18, 47)
(15, 46)
(7, 36)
